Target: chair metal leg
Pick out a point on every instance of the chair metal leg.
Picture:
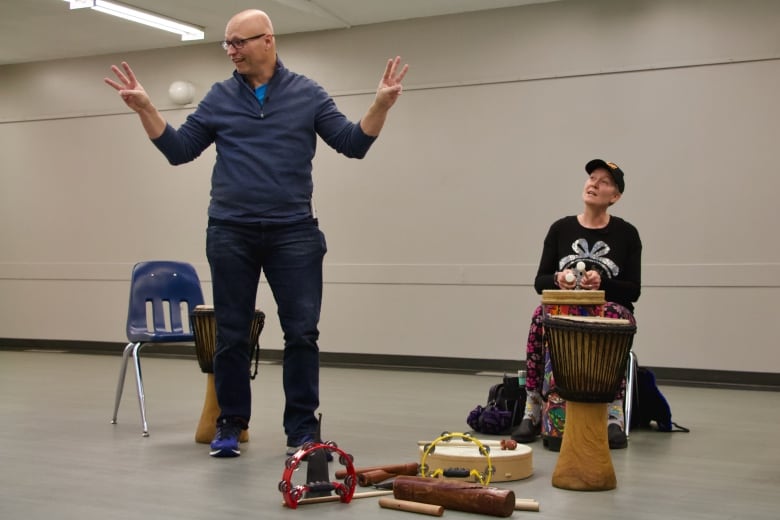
(121, 383)
(139, 383)
(131, 350)
(630, 382)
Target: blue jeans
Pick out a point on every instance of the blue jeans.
(291, 256)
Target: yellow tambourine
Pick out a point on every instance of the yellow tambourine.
(483, 477)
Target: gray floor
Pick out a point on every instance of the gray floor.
(62, 459)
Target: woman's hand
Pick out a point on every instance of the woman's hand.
(591, 280)
(566, 279)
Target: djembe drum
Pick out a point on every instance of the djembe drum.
(204, 327)
(589, 356)
(562, 302)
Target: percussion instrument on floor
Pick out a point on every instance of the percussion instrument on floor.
(204, 328)
(455, 495)
(294, 494)
(372, 475)
(589, 356)
(562, 302)
(463, 457)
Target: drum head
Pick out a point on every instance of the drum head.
(598, 320)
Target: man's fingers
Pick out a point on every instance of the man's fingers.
(388, 71)
(129, 72)
(401, 75)
(127, 77)
(111, 83)
(390, 76)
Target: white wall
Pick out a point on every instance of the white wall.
(434, 237)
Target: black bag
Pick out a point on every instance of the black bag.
(504, 409)
(650, 405)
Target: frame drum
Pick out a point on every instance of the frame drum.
(462, 456)
(508, 465)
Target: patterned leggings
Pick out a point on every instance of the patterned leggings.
(535, 350)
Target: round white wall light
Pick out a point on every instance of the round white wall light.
(181, 92)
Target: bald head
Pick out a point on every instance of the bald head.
(252, 21)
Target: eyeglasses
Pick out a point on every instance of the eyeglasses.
(239, 43)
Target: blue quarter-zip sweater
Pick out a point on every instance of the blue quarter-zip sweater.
(264, 150)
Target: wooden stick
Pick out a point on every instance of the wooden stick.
(526, 504)
(412, 507)
(336, 498)
(369, 478)
(407, 468)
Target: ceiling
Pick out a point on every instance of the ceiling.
(38, 30)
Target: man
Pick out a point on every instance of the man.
(265, 120)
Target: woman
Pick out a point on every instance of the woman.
(611, 251)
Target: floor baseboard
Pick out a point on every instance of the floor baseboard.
(664, 375)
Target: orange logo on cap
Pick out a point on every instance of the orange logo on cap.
(613, 165)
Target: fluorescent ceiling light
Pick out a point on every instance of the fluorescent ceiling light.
(187, 32)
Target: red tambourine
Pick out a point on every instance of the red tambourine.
(294, 493)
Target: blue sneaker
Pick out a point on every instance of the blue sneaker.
(225, 443)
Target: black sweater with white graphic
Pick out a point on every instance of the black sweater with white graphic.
(615, 251)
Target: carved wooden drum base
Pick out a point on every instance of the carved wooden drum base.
(585, 463)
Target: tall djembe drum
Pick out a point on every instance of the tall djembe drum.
(589, 356)
(562, 302)
(204, 327)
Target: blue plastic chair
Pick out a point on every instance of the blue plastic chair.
(162, 296)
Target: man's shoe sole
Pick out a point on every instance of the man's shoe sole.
(224, 453)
